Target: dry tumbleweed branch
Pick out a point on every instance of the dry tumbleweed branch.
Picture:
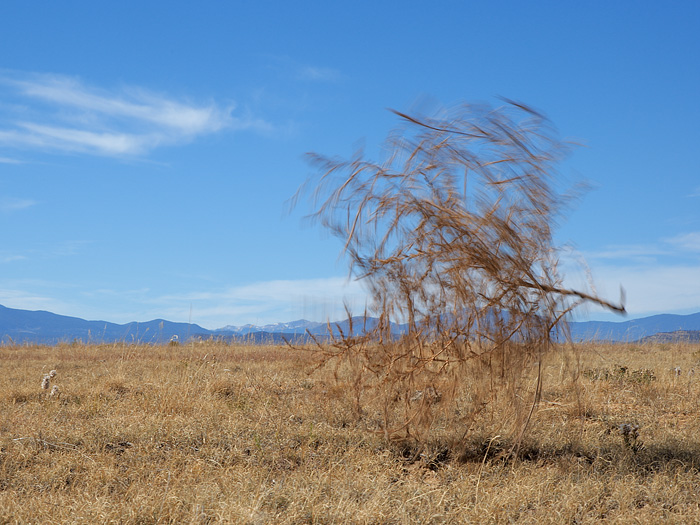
(452, 233)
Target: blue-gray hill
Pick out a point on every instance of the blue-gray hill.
(635, 329)
(41, 327)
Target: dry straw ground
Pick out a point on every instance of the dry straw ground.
(242, 434)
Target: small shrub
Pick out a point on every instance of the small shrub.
(452, 234)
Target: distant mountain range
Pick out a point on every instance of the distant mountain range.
(302, 326)
(625, 331)
(635, 329)
(40, 327)
(688, 336)
(25, 326)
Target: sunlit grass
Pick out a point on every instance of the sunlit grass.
(243, 434)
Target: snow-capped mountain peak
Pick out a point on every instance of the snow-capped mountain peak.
(293, 327)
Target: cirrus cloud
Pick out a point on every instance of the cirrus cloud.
(271, 301)
(10, 204)
(57, 113)
(686, 241)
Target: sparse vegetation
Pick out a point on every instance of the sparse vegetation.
(210, 433)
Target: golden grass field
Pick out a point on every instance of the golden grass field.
(209, 433)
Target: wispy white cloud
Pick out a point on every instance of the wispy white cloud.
(68, 248)
(11, 258)
(266, 302)
(627, 252)
(662, 276)
(28, 300)
(139, 293)
(131, 104)
(651, 289)
(63, 114)
(319, 74)
(686, 241)
(8, 160)
(295, 70)
(9, 204)
(76, 140)
(670, 249)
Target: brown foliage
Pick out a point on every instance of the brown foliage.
(452, 234)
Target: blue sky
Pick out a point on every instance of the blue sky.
(148, 149)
